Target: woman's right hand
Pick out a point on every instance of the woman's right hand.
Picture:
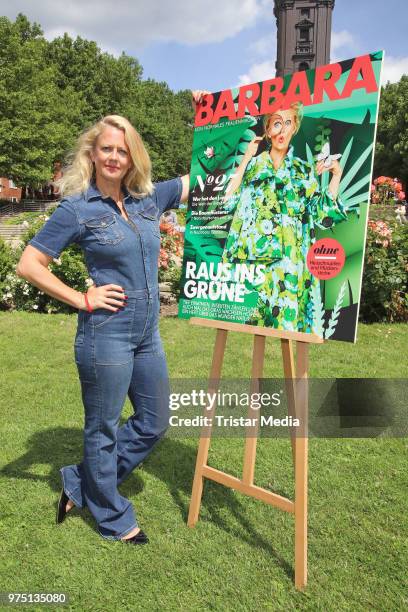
(111, 297)
(197, 96)
(252, 148)
(236, 180)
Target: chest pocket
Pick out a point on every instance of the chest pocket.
(106, 229)
(151, 222)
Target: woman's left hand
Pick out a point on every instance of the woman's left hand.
(197, 97)
(334, 168)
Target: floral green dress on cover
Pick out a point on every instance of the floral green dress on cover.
(276, 212)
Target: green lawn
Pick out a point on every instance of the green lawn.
(240, 555)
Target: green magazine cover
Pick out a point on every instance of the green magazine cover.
(278, 205)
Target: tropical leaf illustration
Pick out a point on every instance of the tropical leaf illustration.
(346, 154)
(324, 180)
(204, 248)
(206, 170)
(220, 233)
(318, 311)
(354, 203)
(234, 159)
(335, 313)
(349, 176)
(309, 155)
(349, 187)
(230, 163)
(354, 161)
(363, 182)
(226, 148)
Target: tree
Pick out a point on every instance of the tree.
(164, 120)
(109, 85)
(51, 91)
(34, 126)
(391, 156)
(105, 84)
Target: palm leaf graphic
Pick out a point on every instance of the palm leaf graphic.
(345, 156)
(203, 251)
(309, 155)
(335, 313)
(318, 311)
(345, 195)
(346, 180)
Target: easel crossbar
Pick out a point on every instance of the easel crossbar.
(248, 489)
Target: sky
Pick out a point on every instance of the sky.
(215, 44)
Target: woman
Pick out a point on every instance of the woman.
(111, 209)
(278, 204)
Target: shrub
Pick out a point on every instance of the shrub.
(384, 291)
(70, 268)
(174, 279)
(171, 256)
(386, 189)
(7, 267)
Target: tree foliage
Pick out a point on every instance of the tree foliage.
(391, 156)
(34, 121)
(51, 91)
(162, 118)
(104, 83)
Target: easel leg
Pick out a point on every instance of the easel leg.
(258, 356)
(204, 445)
(302, 364)
(289, 373)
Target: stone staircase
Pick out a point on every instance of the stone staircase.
(166, 296)
(12, 233)
(8, 232)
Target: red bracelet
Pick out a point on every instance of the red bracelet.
(88, 306)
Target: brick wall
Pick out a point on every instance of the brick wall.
(8, 191)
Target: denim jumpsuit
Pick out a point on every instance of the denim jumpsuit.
(117, 353)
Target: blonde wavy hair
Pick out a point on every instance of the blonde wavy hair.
(296, 107)
(79, 172)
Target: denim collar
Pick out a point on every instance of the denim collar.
(93, 193)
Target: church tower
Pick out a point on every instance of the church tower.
(304, 32)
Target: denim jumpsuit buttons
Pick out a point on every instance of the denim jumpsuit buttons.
(117, 353)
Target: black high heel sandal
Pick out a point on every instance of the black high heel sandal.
(139, 538)
(61, 507)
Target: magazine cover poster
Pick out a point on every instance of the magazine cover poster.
(279, 194)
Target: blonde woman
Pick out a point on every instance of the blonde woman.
(277, 204)
(111, 208)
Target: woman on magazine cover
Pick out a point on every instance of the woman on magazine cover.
(111, 208)
(278, 203)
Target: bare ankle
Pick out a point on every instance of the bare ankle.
(131, 534)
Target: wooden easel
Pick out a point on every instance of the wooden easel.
(297, 397)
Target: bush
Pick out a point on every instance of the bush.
(174, 278)
(70, 268)
(170, 256)
(7, 266)
(384, 291)
(386, 189)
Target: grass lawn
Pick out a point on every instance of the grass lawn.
(240, 554)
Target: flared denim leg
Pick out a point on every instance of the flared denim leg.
(149, 395)
(111, 365)
(96, 476)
